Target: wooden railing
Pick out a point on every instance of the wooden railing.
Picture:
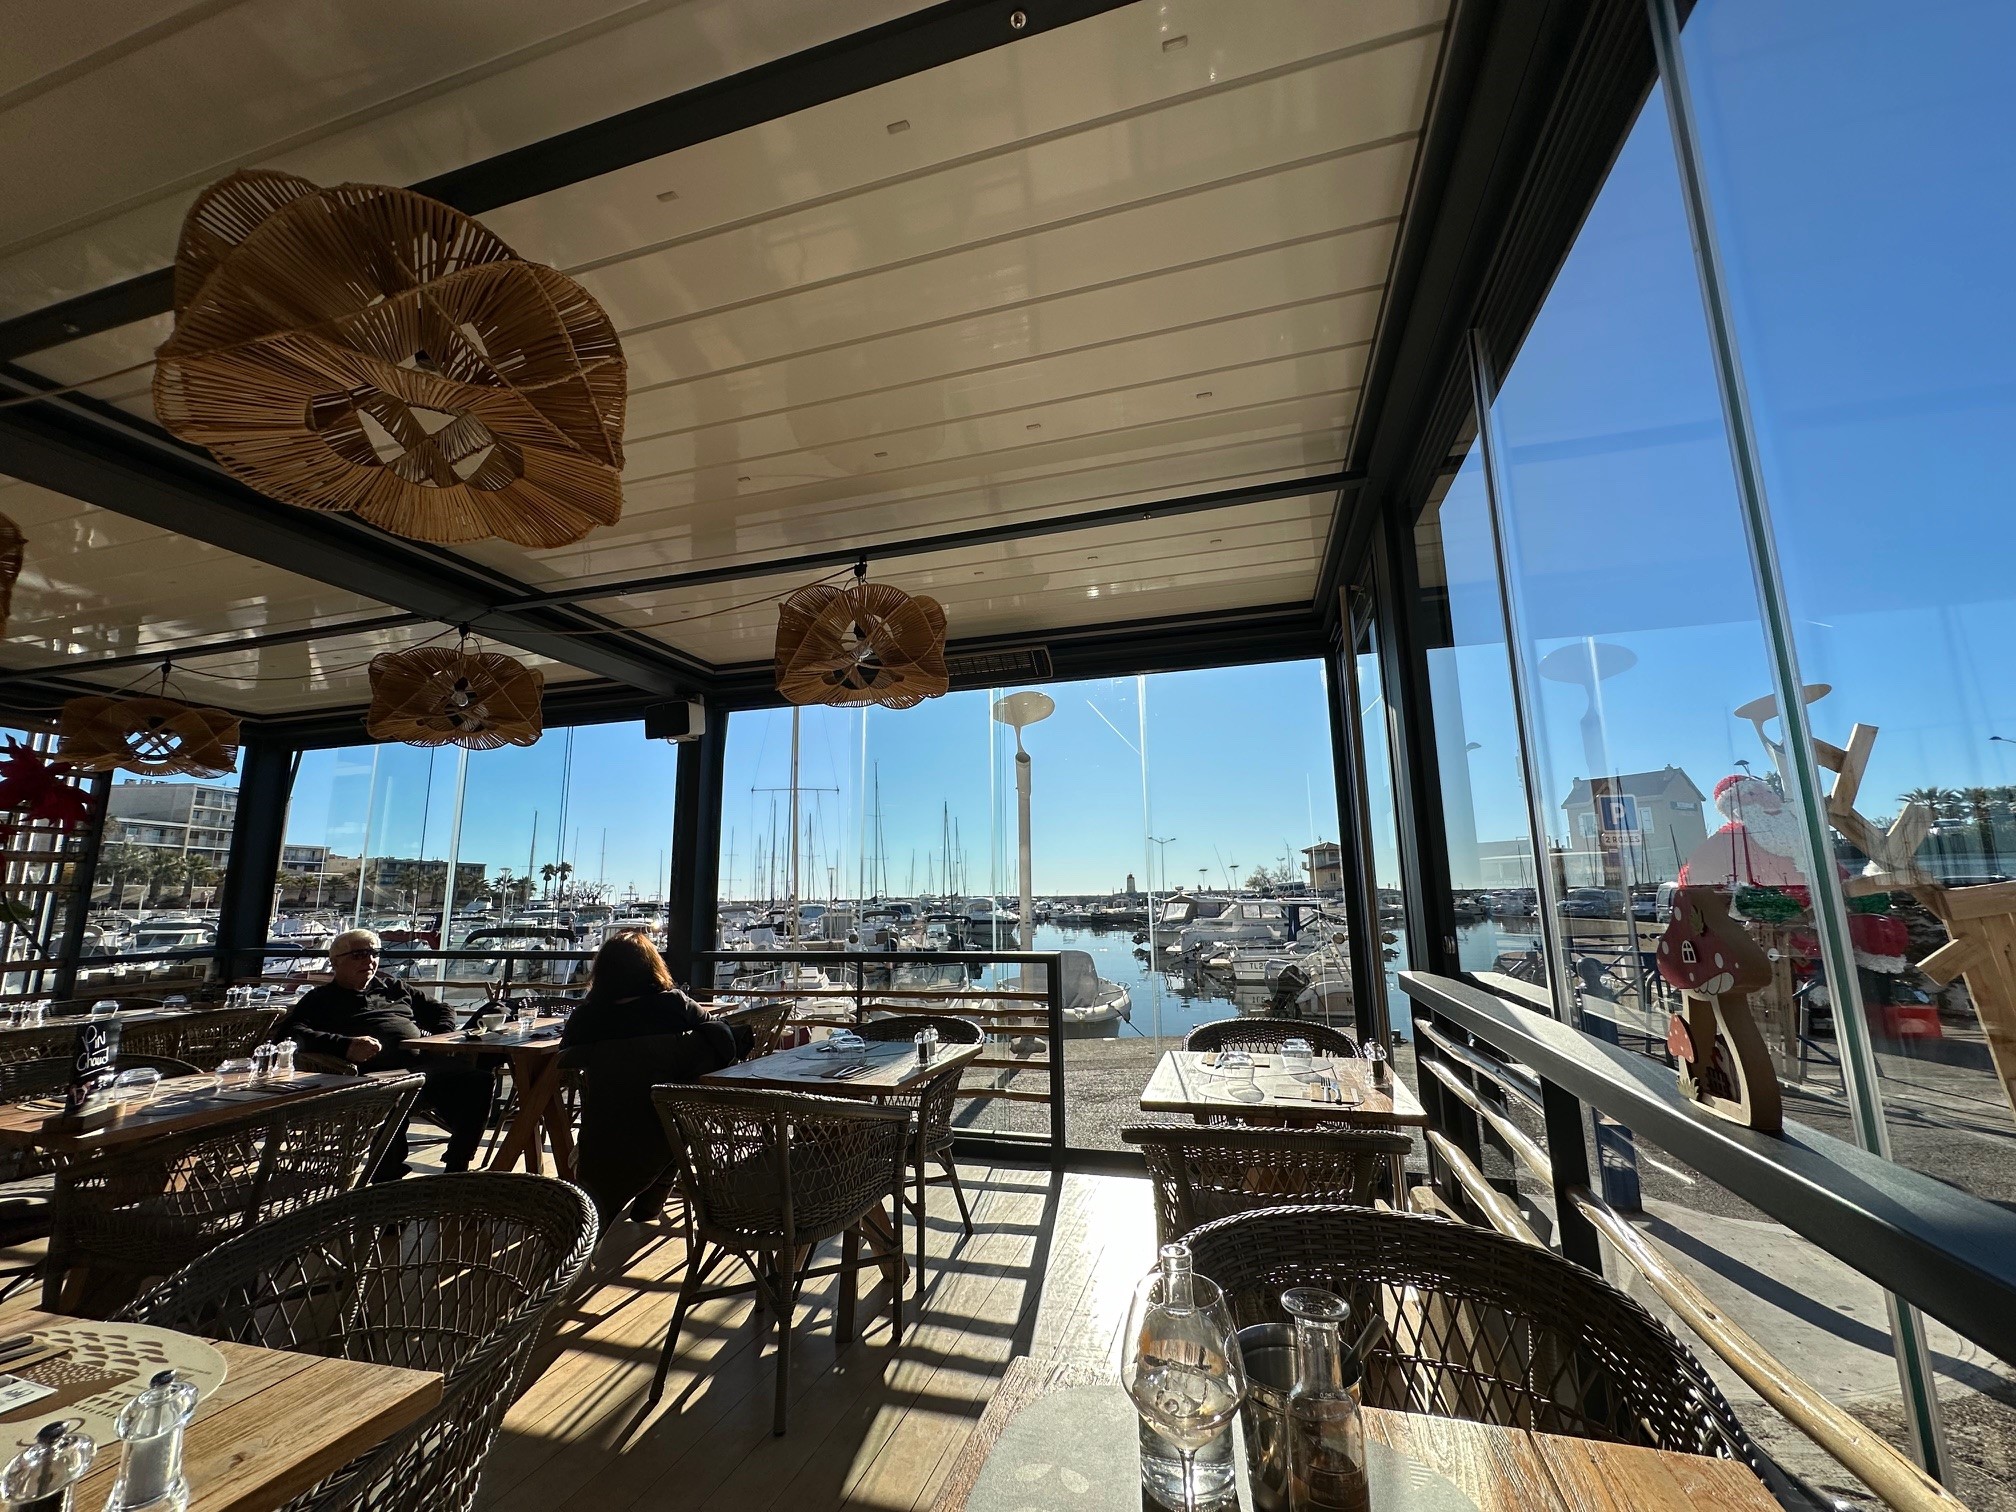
(1479, 1055)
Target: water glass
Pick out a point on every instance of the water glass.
(1296, 1056)
(1186, 1378)
(528, 1013)
(237, 1072)
(139, 1084)
(104, 1008)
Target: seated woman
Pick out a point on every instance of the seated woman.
(634, 1030)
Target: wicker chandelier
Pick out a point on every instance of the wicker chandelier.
(866, 643)
(437, 695)
(370, 350)
(152, 736)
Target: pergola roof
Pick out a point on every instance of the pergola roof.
(970, 300)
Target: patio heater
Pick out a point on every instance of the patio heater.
(1018, 711)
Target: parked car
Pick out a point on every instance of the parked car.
(1593, 903)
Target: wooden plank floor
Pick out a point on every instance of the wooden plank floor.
(1048, 1271)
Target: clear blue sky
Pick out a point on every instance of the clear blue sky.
(1859, 158)
(1238, 771)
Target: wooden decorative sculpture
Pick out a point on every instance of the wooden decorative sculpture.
(867, 643)
(370, 350)
(12, 547)
(1980, 921)
(154, 737)
(1724, 1064)
(437, 695)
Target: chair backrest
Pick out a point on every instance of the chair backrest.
(1256, 1033)
(128, 1213)
(23, 1079)
(44, 1041)
(764, 1021)
(1479, 1326)
(621, 1147)
(952, 1029)
(1205, 1172)
(777, 1169)
(450, 1273)
(206, 1037)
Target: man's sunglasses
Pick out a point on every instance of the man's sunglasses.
(350, 955)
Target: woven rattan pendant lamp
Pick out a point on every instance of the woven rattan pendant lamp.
(370, 350)
(442, 695)
(153, 736)
(865, 643)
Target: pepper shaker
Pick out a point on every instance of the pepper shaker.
(150, 1475)
(44, 1476)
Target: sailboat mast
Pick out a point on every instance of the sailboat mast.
(793, 900)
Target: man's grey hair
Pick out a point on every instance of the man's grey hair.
(351, 937)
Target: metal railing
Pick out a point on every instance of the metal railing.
(1481, 1054)
(1006, 1014)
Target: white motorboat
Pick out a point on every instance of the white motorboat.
(1093, 1006)
(1242, 921)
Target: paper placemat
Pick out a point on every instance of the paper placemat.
(1078, 1449)
(104, 1368)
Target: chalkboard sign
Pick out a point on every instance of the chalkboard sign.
(91, 1062)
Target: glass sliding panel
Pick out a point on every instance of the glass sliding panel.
(161, 869)
(1382, 837)
(1203, 801)
(1857, 160)
(537, 851)
(1492, 870)
(1638, 610)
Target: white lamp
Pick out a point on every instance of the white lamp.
(1019, 711)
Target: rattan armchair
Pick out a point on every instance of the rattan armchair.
(455, 1274)
(1479, 1326)
(1256, 1033)
(767, 1177)
(205, 1037)
(1211, 1172)
(931, 1101)
(127, 1214)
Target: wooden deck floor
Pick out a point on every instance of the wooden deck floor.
(1048, 1271)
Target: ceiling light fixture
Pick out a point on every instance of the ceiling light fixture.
(668, 196)
(897, 128)
(1175, 44)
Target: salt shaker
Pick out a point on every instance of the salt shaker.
(924, 1045)
(43, 1477)
(262, 1062)
(283, 1060)
(151, 1425)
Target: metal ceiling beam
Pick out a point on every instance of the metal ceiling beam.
(847, 65)
(1506, 69)
(985, 535)
(89, 451)
(84, 666)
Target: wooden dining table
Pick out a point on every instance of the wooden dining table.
(532, 1055)
(891, 1066)
(279, 1423)
(1496, 1469)
(1196, 1082)
(198, 1102)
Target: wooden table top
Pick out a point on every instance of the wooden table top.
(278, 1424)
(892, 1066)
(506, 1041)
(1500, 1469)
(25, 1125)
(1185, 1081)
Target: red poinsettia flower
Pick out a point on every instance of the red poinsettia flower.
(34, 787)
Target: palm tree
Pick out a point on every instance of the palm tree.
(1933, 799)
(564, 870)
(1978, 800)
(546, 874)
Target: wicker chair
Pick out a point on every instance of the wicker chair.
(931, 1101)
(45, 1041)
(206, 1037)
(127, 1214)
(1479, 1326)
(1257, 1033)
(1206, 1173)
(767, 1177)
(455, 1274)
(765, 1023)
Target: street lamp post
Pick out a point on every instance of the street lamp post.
(1018, 711)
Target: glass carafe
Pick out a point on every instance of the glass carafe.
(1326, 1430)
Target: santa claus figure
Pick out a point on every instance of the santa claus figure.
(1758, 846)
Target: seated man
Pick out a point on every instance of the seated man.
(367, 1019)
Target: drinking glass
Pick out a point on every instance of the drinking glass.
(528, 1013)
(235, 1073)
(1183, 1368)
(1239, 1082)
(137, 1084)
(1296, 1055)
(104, 1008)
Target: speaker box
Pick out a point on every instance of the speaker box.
(683, 720)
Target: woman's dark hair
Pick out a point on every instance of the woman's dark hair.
(627, 966)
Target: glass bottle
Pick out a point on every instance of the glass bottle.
(44, 1476)
(150, 1474)
(1212, 1476)
(1326, 1431)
